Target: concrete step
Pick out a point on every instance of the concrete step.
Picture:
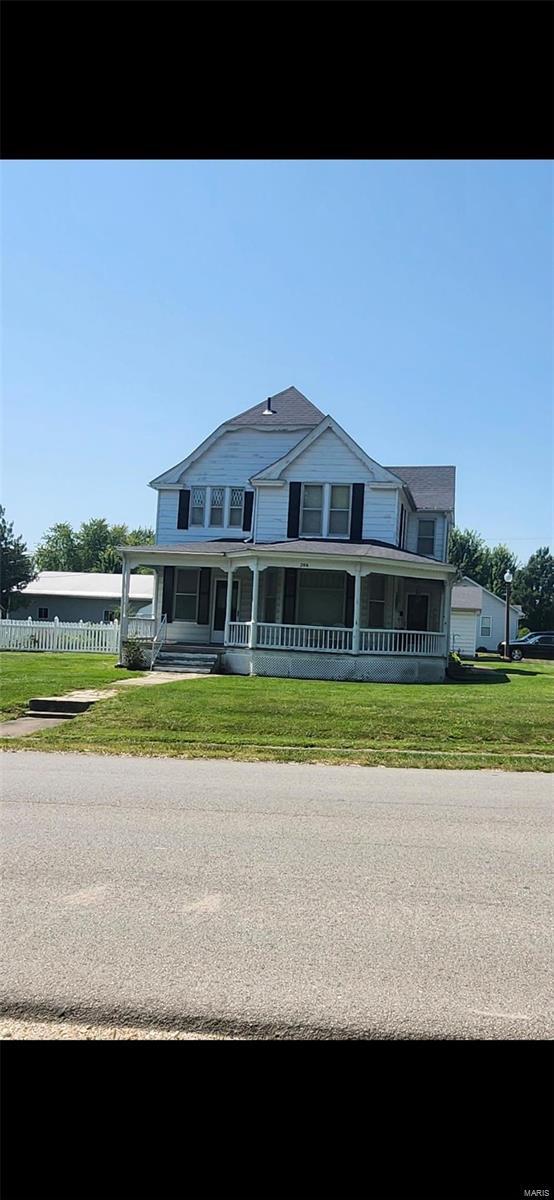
(175, 669)
(42, 705)
(58, 715)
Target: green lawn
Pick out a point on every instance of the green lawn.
(25, 675)
(499, 716)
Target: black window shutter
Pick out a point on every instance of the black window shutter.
(294, 510)
(349, 599)
(357, 513)
(184, 506)
(289, 598)
(168, 589)
(247, 511)
(203, 614)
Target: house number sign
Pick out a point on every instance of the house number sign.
(304, 564)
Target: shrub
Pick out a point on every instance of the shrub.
(523, 631)
(133, 656)
(455, 665)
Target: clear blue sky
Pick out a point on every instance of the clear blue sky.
(145, 302)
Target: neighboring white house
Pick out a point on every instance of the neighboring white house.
(79, 596)
(478, 618)
(285, 548)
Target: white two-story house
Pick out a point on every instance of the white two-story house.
(283, 548)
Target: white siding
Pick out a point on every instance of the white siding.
(327, 460)
(412, 532)
(379, 522)
(495, 607)
(463, 628)
(273, 508)
(239, 454)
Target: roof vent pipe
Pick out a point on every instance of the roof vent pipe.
(268, 411)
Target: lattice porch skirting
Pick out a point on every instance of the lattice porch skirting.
(378, 668)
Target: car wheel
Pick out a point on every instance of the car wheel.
(516, 655)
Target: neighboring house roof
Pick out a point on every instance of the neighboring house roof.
(303, 546)
(468, 598)
(514, 607)
(432, 487)
(289, 406)
(88, 584)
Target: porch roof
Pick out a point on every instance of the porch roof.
(295, 548)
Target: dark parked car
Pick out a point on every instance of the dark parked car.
(533, 645)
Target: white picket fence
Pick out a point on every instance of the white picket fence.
(59, 636)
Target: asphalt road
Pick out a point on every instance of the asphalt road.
(277, 900)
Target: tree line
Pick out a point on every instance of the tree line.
(92, 547)
(533, 582)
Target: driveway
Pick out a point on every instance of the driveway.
(277, 899)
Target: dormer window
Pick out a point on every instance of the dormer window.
(325, 510)
(312, 510)
(426, 538)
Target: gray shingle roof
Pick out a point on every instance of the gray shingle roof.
(469, 598)
(431, 487)
(296, 546)
(290, 408)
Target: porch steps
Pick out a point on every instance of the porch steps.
(187, 662)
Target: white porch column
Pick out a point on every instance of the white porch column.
(447, 601)
(228, 604)
(126, 576)
(155, 590)
(357, 600)
(254, 610)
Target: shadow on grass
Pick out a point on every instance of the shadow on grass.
(478, 675)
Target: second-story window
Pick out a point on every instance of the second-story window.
(236, 507)
(339, 511)
(217, 505)
(198, 505)
(312, 509)
(426, 538)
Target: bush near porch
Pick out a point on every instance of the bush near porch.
(497, 716)
(23, 675)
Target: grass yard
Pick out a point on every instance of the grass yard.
(500, 716)
(23, 675)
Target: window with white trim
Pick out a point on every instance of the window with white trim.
(321, 598)
(217, 504)
(236, 507)
(339, 509)
(312, 509)
(198, 505)
(186, 594)
(43, 614)
(486, 626)
(426, 538)
(109, 615)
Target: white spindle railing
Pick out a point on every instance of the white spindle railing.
(58, 636)
(239, 633)
(158, 640)
(304, 637)
(401, 641)
(142, 627)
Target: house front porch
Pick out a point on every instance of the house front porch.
(307, 610)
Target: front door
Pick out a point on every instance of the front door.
(220, 604)
(417, 612)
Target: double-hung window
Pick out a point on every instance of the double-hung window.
(198, 505)
(236, 506)
(43, 614)
(339, 510)
(312, 509)
(186, 595)
(426, 538)
(217, 505)
(486, 626)
(376, 601)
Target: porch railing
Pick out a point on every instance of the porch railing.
(401, 641)
(239, 633)
(141, 627)
(304, 637)
(158, 640)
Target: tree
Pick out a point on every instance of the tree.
(58, 550)
(93, 540)
(501, 559)
(534, 590)
(16, 565)
(470, 554)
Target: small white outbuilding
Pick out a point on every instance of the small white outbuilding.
(478, 619)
